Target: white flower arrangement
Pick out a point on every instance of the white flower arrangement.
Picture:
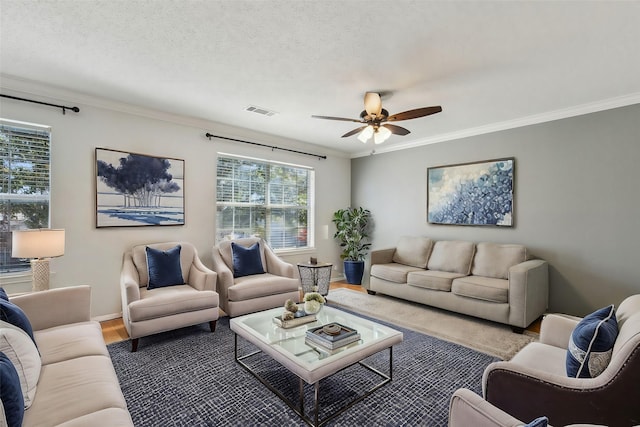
(313, 302)
(314, 296)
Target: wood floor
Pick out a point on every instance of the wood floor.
(114, 330)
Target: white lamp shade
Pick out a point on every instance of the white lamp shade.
(39, 243)
(366, 134)
(381, 135)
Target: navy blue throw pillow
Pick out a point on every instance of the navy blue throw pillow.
(11, 313)
(591, 344)
(3, 294)
(10, 392)
(538, 422)
(164, 267)
(246, 261)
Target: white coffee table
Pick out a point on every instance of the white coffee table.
(287, 346)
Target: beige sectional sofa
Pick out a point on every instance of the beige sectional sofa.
(77, 385)
(497, 282)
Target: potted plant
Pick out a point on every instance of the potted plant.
(352, 233)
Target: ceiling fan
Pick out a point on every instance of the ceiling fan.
(375, 119)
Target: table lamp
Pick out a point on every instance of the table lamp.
(39, 245)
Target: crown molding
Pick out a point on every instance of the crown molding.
(48, 93)
(579, 110)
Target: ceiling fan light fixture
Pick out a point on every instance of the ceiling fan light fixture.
(366, 134)
(372, 104)
(381, 135)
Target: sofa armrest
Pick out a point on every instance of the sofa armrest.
(56, 307)
(129, 281)
(277, 266)
(528, 292)
(224, 278)
(556, 330)
(468, 409)
(382, 256)
(201, 277)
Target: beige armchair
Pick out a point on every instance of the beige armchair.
(149, 311)
(255, 292)
(534, 382)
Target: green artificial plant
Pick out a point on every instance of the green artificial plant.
(352, 232)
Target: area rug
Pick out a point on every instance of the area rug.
(488, 337)
(189, 377)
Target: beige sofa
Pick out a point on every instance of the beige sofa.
(77, 385)
(497, 282)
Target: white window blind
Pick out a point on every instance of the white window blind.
(265, 199)
(24, 185)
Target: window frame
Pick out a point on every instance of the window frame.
(267, 204)
(41, 161)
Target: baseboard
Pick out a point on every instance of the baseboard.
(106, 317)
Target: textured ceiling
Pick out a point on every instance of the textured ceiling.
(489, 64)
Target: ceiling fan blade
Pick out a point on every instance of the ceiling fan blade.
(414, 114)
(337, 118)
(372, 103)
(353, 132)
(396, 130)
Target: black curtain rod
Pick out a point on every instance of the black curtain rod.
(273, 147)
(64, 108)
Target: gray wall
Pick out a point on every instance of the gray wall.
(577, 200)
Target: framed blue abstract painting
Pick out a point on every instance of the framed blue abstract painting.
(138, 190)
(479, 193)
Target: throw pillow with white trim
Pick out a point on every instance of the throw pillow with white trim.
(24, 356)
(591, 344)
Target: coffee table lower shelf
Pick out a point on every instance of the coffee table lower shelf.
(299, 409)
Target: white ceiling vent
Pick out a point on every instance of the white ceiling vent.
(260, 110)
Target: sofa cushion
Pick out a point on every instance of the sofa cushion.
(261, 285)
(11, 313)
(413, 251)
(164, 267)
(75, 388)
(483, 288)
(11, 400)
(431, 279)
(22, 352)
(246, 260)
(591, 344)
(70, 341)
(392, 272)
(170, 300)
(493, 260)
(452, 256)
(116, 417)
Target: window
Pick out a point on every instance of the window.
(266, 199)
(24, 185)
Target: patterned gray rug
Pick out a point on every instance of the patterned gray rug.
(482, 335)
(189, 377)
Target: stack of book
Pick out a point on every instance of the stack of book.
(331, 336)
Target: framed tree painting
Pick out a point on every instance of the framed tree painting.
(138, 190)
(479, 193)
